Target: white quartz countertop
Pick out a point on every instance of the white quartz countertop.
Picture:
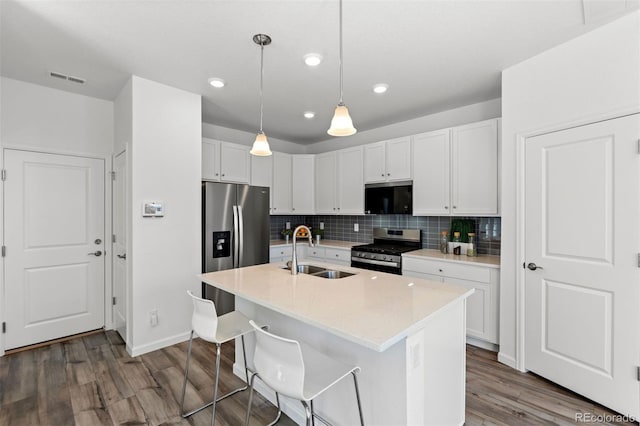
(323, 243)
(373, 309)
(481, 260)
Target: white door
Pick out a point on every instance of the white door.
(54, 237)
(325, 183)
(582, 303)
(235, 165)
(119, 247)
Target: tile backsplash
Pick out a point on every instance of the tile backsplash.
(341, 228)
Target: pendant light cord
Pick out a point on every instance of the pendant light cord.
(341, 102)
(261, 78)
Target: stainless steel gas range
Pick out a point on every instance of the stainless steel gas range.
(385, 253)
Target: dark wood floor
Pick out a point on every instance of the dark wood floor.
(93, 381)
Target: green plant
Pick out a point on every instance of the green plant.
(464, 226)
(317, 231)
(286, 232)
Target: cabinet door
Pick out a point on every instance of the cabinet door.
(480, 310)
(261, 171)
(431, 173)
(234, 163)
(398, 159)
(281, 190)
(374, 163)
(210, 160)
(302, 176)
(338, 256)
(350, 189)
(326, 183)
(474, 162)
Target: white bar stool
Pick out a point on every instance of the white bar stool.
(296, 370)
(211, 328)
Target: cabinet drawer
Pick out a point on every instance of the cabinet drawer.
(279, 251)
(316, 252)
(332, 254)
(447, 269)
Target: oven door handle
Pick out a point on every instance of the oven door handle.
(375, 262)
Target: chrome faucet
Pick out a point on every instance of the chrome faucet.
(294, 256)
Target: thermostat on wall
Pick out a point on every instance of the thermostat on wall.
(152, 209)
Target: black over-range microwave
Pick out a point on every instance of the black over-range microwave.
(388, 198)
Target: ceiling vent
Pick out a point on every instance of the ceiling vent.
(67, 77)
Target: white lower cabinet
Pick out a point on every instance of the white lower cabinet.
(316, 253)
(339, 256)
(482, 305)
(280, 253)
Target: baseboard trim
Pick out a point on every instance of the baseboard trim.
(482, 344)
(507, 360)
(158, 344)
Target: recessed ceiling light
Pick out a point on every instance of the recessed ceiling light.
(312, 59)
(309, 114)
(217, 82)
(380, 87)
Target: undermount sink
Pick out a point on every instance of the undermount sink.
(332, 275)
(318, 271)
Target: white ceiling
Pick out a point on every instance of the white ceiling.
(434, 54)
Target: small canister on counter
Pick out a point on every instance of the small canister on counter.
(472, 250)
(457, 249)
(444, 242)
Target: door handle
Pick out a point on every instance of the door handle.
(532, 266)
(122, 256)
(96, 253)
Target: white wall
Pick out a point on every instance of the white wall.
(454, 117)
(164, 253)
(226, 134)
(39, 118)
(590, 78)
(49, 119)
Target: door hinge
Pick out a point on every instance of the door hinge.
(113, 175)
(638, 373)
(113, 238)
(638, 260)
(3, 174)
(113, 301)
(4, 327)
(638, 146)
(4, 251)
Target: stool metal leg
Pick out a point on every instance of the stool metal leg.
(246, 423)
(355, 382)
(307, 412)
(215, 392)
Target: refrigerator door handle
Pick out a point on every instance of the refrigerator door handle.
(236, 237)
(240, 237)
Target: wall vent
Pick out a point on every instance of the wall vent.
(67, 77)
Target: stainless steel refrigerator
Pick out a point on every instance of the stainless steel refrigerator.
(235, 232)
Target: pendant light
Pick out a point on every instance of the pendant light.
(261, 145)
(341, 124)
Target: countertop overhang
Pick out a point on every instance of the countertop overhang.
(373, 309)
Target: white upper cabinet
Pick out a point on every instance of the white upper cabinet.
(456, 171)
(281, 190)
(225, 162)
(261, 170)
(474, 168)
(210, 159)
(302, 184)
(431, 173)
(388, 161)
(339, 182)
(326, 183)
(350, 184)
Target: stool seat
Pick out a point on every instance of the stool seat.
(297, 370)
(231, 326)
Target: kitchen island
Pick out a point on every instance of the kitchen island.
(406, 334)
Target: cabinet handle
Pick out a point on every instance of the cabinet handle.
(293, 209)
(439, 270)
(338, 208)
(223, 174)
(388, 174)
(446, 207)
(382, 175)
(216, 174)
(455, 207)
(337, 255)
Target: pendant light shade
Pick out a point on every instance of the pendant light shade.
(341, 124)
(261, 145)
